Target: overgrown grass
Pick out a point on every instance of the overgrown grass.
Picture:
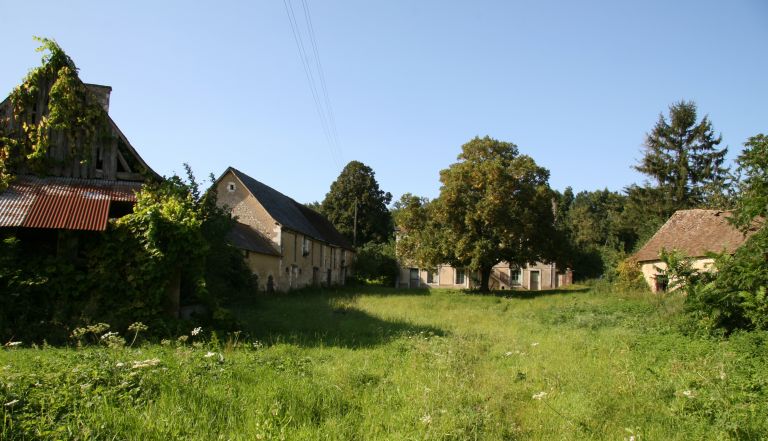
(380, 364)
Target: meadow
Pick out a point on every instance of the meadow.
(383, 364)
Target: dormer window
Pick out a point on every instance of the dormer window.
(231, 187)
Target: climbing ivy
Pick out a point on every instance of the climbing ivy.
(25, 134)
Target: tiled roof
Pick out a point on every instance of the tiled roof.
(246, 238)
(62, 203)
(291, 214)
(694, 233)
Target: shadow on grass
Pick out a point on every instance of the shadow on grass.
(374, 290)
(322, 318)
(525, 294)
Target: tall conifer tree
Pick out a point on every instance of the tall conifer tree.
(682, 159)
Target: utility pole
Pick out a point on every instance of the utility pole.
(354, 227)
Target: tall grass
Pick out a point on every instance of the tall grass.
(400, 365)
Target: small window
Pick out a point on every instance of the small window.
(306, 246)
(515, 276)
(662, 282)
(460, 276)
(231, 187)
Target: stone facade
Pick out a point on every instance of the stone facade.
(653, 272)
(503, 276)
(301, 260)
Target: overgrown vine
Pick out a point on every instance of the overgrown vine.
(25, 134)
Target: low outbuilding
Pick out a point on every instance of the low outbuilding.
(696, 234)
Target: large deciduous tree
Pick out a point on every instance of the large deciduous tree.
(682, 159)
(495, 205)
(357, 207)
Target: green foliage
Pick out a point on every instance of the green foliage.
(376, 263)
(143, 252)
(67, 109)
(735, 296)
(173, 235)
(494, 205)
(419, 238)
(681, 157)
(598, 236)
(356, 190)
(753, 189)
(629, 276)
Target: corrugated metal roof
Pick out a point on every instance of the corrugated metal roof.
(62, 203)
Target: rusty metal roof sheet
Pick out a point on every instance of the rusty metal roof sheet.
(62, 203)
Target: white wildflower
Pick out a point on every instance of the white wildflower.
(689, 394)
(11, 344)
(508, 353)
(539, 395)
(426, 419)
(119, 364)
(196, 331)
(722, 375)
(209, 354)
(11, 403)
(109, 335)
(534, 344)
(145, 363)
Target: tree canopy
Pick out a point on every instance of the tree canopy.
(356, 194)
(495, 205)
(682, 159)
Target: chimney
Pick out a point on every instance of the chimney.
(101, 93)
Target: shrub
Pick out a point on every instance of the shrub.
(173, 234)
(376, 262)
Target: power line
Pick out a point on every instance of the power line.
(321, 73)
(322, 101)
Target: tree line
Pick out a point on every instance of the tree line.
(495, 204)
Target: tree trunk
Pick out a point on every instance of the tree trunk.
(485, 278)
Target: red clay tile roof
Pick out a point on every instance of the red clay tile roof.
(695, 233)
(62, 203)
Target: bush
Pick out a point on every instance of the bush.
(376, 263)
(122, 275)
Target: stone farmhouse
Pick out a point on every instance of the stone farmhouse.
(286, 244)
(503, 276)
(532, 277)
(695, 233)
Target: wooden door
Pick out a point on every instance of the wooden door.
(414, 282)
(534, 285)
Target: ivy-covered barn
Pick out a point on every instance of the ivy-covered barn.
(65, 166)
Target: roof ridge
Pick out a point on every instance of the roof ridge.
(290, 213)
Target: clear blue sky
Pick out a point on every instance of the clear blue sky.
(576, 85)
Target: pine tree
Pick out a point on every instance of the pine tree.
(357, 207)
(682, 158)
